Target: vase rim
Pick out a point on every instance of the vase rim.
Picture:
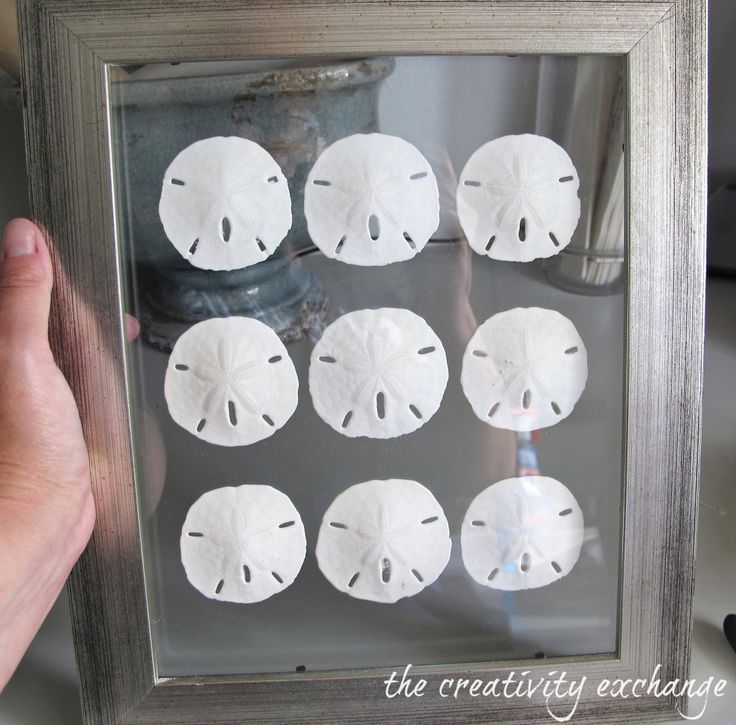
(307, 76)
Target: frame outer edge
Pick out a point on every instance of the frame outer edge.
(110, 634)
(689, 277)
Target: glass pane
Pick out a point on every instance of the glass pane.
(447, 106)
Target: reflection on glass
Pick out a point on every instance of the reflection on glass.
(447, 107)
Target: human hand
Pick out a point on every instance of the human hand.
(46, 506)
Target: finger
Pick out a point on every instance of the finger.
(132, 327)
(25, 285)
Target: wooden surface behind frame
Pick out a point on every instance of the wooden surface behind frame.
(67, 47)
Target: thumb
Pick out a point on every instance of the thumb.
(25, 286)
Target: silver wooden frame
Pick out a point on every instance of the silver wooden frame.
(68, 49)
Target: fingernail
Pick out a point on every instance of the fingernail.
(18, 240)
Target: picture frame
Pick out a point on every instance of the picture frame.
(69, 50)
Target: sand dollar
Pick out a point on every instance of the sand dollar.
(371, 199)
(378, 373)
(522, 533)
(230, 381)
(242, 543)
(517, 198)
(524, 369)
(383, 540)
(225, 203)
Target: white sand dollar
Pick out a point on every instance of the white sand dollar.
(383, 540)
(524, 369)
(242, 543)
(522, 533)
(230, 381)
(371, 199)
(225, 203)
(517, 198)
(378, 373)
